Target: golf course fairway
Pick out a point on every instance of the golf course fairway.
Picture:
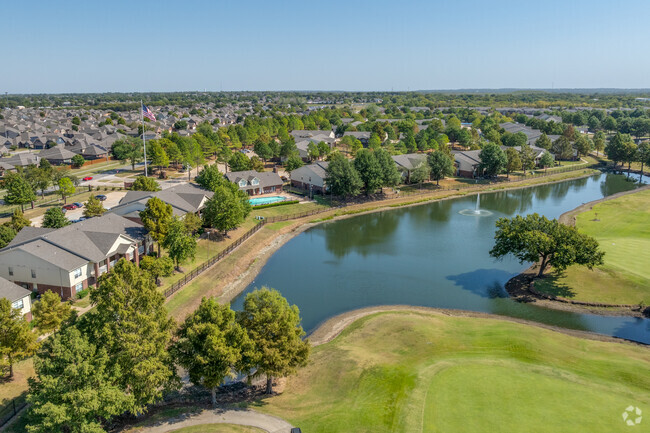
(430, 372)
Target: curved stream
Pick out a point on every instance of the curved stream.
(430, 255)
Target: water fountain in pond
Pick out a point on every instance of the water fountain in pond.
(477, 211)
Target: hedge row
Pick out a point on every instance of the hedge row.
(277, 203)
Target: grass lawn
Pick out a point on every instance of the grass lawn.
(621, 227)
(419, 372)
(218, 428)
(17, 386)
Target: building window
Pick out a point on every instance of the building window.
(242, 183)
(79, 287)
(255, 181)
(77, 273)
(18, 304)
(11, 271)
(33, 273)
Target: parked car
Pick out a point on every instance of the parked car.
(100, 197)
(88, 178)
(78, 204)
(70, 206)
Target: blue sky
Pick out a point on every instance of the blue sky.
(92, 46)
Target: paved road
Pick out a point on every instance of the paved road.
(250, 418)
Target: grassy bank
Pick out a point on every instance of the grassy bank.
(412, 372)
(621, 227)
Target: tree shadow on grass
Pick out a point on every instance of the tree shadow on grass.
(551, 285)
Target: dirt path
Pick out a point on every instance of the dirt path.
(249, 418)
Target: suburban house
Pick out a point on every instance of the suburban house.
(57, 155)
(531, 134)
(362, 136)
(255, 183)
(467, 161)
(18, 296)
(314, 135)
(185, 198)
(407, 163)
(305, 137)
(22, 159)
(310, 177)
(69, 259)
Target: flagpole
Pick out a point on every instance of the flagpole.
(144, 141)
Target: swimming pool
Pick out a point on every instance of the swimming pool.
(265, 200)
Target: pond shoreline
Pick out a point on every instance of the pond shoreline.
(235, 286)
(521, 287)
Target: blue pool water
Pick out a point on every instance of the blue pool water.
(265, 200)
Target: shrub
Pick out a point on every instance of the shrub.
(83, 293)
(278, 203)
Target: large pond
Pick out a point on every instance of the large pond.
(430, 255)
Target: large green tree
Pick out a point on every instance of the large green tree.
(93, 207)
(390, 176)
(156, 217)
(342, 177)
(493, 159)
(240, 162)
(535, 238)
(18, 221)
(75, 389)
(49, 312)
(55, 218)
(643, 155)
(128, 150)
(209, 344)
(210, 178)
(7, 234)
(546, 160)
(157, 267)
(179, 243)
(527, 157)
(17, 341)
(562, 148)
(514, 162)
(142, 183)
(226, 209)
(274, 329)
(441, 165)
(19, 191)
(544, 142)
(66, 188)
(369, 170)
(131, 322)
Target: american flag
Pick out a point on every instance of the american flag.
(146, 112)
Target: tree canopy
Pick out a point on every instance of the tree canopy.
(55, 218)
(342, 178)
(274, 329)
(441, 165)
(535, 238)
(143, 183)
(209, 344)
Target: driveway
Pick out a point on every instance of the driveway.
(250, 418)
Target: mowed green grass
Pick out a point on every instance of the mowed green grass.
(421, 372)
(622, 228)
